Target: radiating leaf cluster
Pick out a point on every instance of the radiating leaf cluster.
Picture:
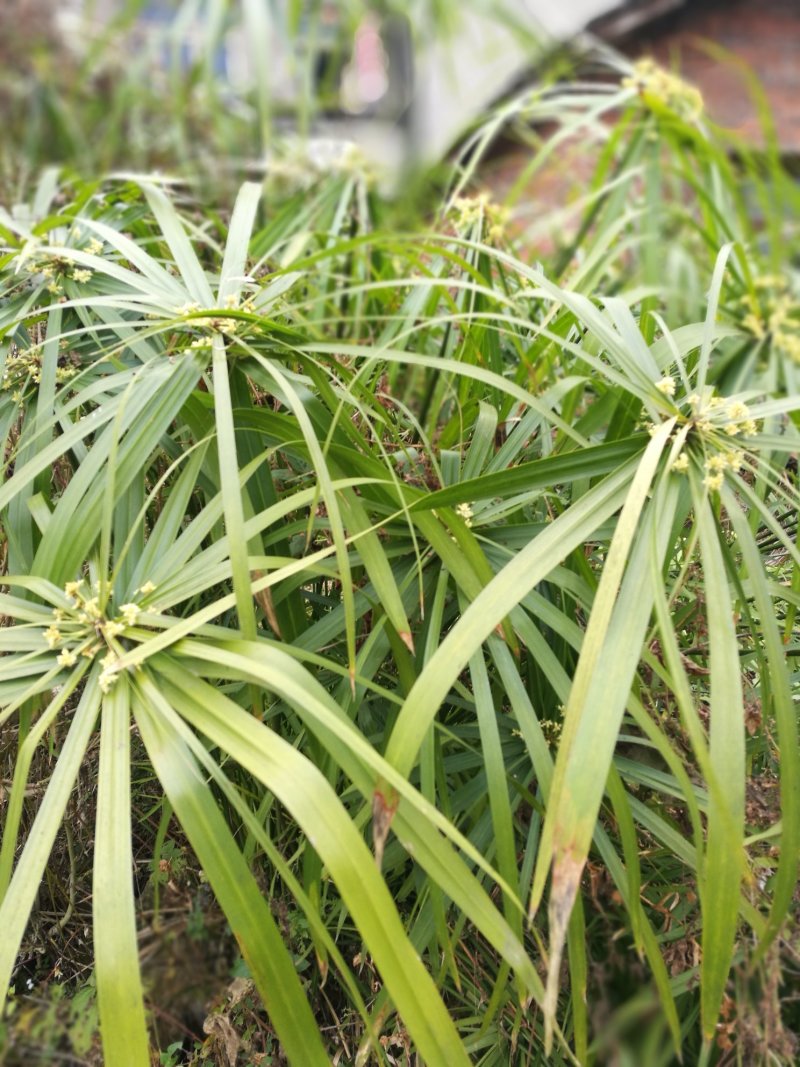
(470, 568)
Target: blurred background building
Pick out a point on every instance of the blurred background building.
(405, 83)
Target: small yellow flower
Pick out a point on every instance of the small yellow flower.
(130, 613)
(67, 658)
(681, 464)
(52, 636)
(94, 247)
(106, 680)
(754, 325)
(713, 482)
(735, 460)
(113, 628)
(666, 386)
(716, 463)
(464, 511)
(738, 411)
(91, 608)
(79, 275)
(147, 588)
(109, 673)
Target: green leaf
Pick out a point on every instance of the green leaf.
(116, 952)
(233, 884)
(724, 866)
(18, 900)
(312, 802)
(490, 607)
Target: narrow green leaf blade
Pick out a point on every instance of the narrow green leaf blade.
(232, 882)
(119, 986)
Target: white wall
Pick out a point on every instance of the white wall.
(459, 78)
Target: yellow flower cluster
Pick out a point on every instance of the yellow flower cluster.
(92, 246)
(717, 464)
(54, 269)
(24, 366)
(726, 414)
(773, 312)
(716, 418)
(480, 212)
(54, 266)
(83, 629)
(302, 162)
(21, 367)
(666, 386)
(659, 88)
(551, 729)
(220, 323)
